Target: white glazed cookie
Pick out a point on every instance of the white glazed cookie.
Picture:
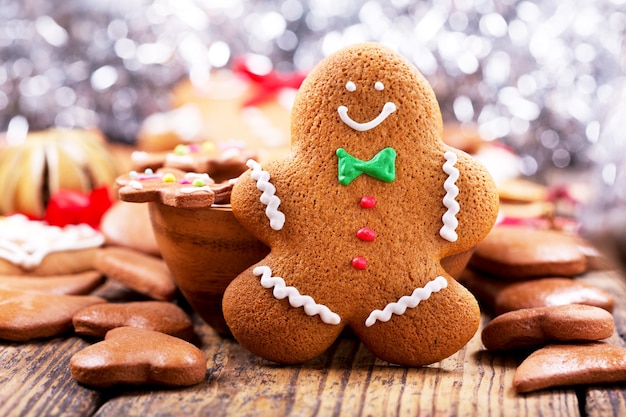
(35, 248)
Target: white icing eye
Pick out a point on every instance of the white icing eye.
(379, 86)
(350, 86)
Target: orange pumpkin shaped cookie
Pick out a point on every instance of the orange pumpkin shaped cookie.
(358, 218)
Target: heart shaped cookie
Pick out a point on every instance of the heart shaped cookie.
(134, 356)
(26, 315)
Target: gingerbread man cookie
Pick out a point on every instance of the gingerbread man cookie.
(358, 218)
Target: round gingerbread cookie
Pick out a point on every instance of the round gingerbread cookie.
(358, 218)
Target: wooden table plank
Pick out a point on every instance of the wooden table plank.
(610, 400)
(347, 381)
(35, 380)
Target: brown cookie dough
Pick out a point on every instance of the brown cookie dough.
(519, 252)
(75, 284)
(143, 273)
(160, 316)
(571, 364)
(533, 327)
(26, 315)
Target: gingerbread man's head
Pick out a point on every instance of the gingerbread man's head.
(362, 95)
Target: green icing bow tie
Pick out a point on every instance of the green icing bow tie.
(381, 166)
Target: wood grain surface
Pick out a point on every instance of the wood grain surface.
(346, 381)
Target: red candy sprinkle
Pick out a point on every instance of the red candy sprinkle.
(366, 234)
(368, 201)
(359, 263)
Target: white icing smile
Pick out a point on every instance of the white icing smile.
(388, 108)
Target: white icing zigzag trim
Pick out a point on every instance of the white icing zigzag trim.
(399, 307)
(311, 308)
(450, 222)
(262, 178)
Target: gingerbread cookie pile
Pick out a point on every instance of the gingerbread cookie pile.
(48, 275)
(526, 277)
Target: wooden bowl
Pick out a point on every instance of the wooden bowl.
(205, 248)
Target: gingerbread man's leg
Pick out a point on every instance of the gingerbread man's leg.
(442, 322)
(274, 321)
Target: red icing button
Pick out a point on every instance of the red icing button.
(368, 201)
(366, 234)
(359, 263)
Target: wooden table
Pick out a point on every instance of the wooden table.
(346, 381)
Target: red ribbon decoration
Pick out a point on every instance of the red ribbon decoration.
(74, 207)
(268, 85)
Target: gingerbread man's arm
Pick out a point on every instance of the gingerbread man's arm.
(255, 203)
(471, 200)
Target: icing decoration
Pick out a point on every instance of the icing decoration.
(350, 86)
(269, 83)
(169, 177)
(399, 307)
(268, 197)
(198, 176)
(207, 146)
(138, 156)
(381, 166)
(388, 108)
(366, 234)
(26, 243)
(379, 86)
(450, 222)
(181, 149)
(281, 290)
(196, 189)
(135, 185)
(359, 263)
(367, 202)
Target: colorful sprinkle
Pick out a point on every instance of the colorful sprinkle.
(366, 234)
(148, 171)
(359, 263)
(133, 174)
(208, 147)
(181, 150)
(368, 202)
(169, 177)
(198, 182)
(135, 185)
